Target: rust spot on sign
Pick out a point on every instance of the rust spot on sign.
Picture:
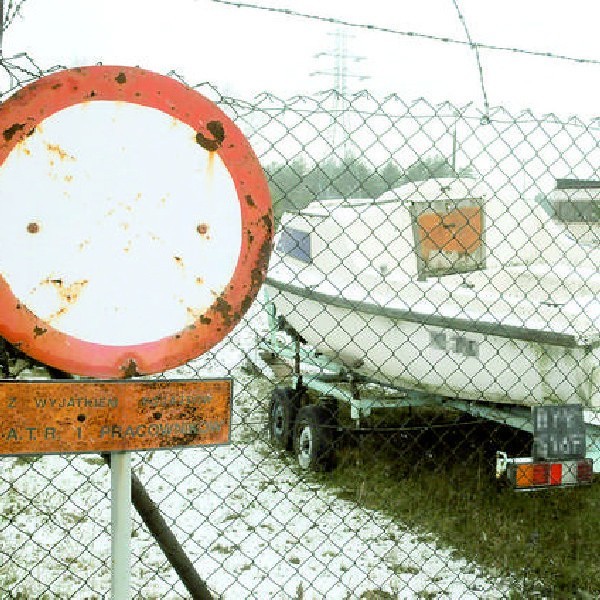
(130, 369)
(193, 314)
(10, 132)
(33, 227)
(202, 229)
(225, 309)
(218, 133)
(56, 149)
(106, 416)
(68, 294)
(121, 78)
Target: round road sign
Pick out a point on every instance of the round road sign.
(136, 222)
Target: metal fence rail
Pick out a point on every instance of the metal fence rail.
(428, 287)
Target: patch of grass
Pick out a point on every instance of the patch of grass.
(27, 459)
(97, 461)
(223, 549)
(441, 480)
(378, 595)
(405, 570)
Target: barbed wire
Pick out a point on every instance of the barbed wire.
(412, 34)
(11, 12)
(486, 106)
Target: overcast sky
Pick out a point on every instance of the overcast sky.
(247, 51)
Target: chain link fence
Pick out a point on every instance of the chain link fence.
(434, 276)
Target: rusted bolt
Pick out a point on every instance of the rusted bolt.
(81, 418)
(33, 227)
(130, 369)
(202, 229)
(157, 415)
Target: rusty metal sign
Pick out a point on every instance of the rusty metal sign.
(108, 416)
(136, 222)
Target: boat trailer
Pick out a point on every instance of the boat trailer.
(296, 423)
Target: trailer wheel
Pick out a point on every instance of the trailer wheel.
(282, 413)
(313, 439)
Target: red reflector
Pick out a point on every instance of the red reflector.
(584, 471)
(555, 474)
(540, 474)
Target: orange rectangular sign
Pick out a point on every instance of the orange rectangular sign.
(77, 416)
(457, 231)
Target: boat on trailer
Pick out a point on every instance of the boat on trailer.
(442, 290)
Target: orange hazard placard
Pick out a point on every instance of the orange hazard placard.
(458, 231)
(106, 416)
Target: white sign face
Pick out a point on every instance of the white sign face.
(105, 248)
(136, 218)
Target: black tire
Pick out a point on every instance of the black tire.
(331, 407)
(283, 408)
(314, 439)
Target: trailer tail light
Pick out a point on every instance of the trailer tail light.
(531, 474)
(585, 470)
(525, 474)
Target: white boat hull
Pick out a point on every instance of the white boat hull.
(425, 352)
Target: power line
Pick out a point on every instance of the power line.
(412, 34)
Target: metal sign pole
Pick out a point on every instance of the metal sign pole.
(120, 476)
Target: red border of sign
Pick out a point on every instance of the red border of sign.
(27, 108)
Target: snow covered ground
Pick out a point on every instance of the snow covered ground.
(254, 526)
